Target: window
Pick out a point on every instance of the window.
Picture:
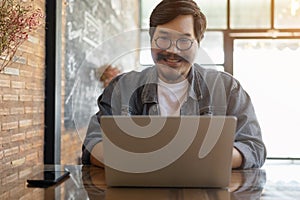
(146, 8)
(145, 53)
(215, 12)
(287, 14)
(254, 14)
(212, 44)
(269, 71)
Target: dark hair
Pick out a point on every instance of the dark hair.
(167, 10)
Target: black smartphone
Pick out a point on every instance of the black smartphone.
(47, 178)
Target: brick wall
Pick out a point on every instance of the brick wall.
(22, 107)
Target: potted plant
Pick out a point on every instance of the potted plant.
(16, 22)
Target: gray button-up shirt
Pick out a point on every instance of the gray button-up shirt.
(211, 92)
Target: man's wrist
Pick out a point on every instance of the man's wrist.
(237, 159)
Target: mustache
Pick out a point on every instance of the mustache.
(163, 56)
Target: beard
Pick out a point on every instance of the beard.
(169, 74)
(172, 67)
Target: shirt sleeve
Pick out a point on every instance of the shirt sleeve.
(248, 138)
(94, 134)
(93, 137)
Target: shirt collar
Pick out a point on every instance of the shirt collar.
(149, 93)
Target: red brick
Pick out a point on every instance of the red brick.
(18, 137)
(11, 71)
(25, 73)
(11, 151)
(32, 156)
(10, 97)
(18, 162)
(39, 98)
(32, 60)
(18, 84)
(25, 172)
(17, 192)
(4, 140)
(26, 122)
(25, 97)
(31, 86)
(5, 83)
(9, 125)
(4, 111)
(17, 110)
(20, 59)
(38, 121)
(30, 134)
(25, 147)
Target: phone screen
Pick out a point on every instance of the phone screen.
(47, 178)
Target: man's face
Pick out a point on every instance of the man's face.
(174, 59)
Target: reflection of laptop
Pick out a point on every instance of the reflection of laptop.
(113, 193)
(157, 151)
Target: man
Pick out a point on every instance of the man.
(176, 86)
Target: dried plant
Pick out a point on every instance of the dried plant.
(16, 22)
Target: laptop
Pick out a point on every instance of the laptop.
(160, 151)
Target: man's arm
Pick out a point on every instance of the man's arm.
(96, 156)
(248, 139)
(92, 139)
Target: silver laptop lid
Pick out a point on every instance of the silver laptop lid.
(156, 151)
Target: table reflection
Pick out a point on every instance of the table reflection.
(245, 184)
(166, 193)
(88, 182)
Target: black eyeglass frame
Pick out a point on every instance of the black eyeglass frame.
(176, 42)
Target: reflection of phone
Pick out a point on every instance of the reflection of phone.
(47, 178)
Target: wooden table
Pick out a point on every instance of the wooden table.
(276, 180)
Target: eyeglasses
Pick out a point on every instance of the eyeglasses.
(182, 44)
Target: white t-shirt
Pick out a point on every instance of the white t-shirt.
(171, 97)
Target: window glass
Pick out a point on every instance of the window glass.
(212, 45)
(269, 71)
(146, 8)
(246, 14)
(215, 12)
(145, 52)
(287, 14)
